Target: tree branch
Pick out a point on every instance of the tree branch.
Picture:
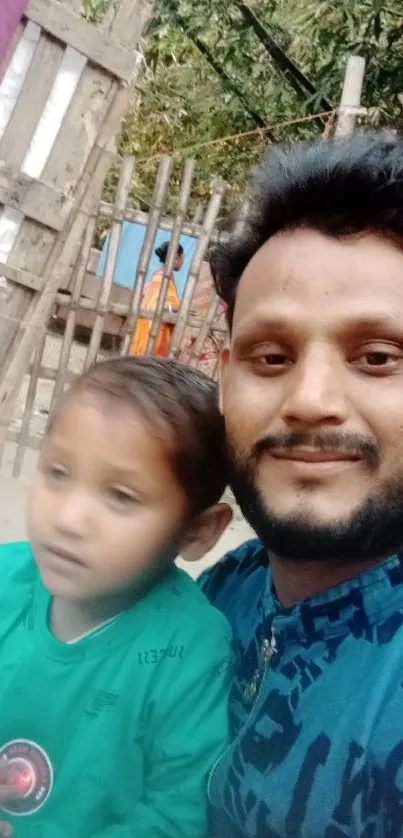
(293, 74)
(226, 80)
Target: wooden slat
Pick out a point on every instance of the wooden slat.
(101, 48)
(130, 16)
(10, 51)
(20, 277)
(50, 373)
(29, 406)
(167, 224)
(204, 331)
(62, 372)
(160, 190)
(31, 102)
(34, 198)
(82, 123)
(122, 310)
(172, 254)
(32, 441)
(122, 194)
(202, 243)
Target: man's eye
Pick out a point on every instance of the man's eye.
(381, 359)
(275, 359)
(272, 359)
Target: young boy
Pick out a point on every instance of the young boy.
(114, 669)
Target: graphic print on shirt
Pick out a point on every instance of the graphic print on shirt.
(32, 773)
(324, 723)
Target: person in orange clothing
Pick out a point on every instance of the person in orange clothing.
(150, 300)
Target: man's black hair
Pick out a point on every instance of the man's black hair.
(340, 187)
(183, 400)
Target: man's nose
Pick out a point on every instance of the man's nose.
(316, 392)
(76, 515)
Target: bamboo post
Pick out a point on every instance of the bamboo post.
(172, 253)
(161, 186)
(204, 331)
(122, 195)
(29, 405)
(202, 244)
(351, 96)
(198, 214)
(72, 315)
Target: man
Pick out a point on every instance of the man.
(312, 393)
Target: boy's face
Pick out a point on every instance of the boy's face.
(106, 510)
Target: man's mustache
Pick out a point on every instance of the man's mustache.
(354, 444)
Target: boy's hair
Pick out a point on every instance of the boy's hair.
(186, 402)
(340, 187)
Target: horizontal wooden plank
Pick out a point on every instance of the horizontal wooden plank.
(34, 198)
(21, 277)
(49, 374)
(122, 310)
(33, 441)
(101, 48)
(166, 224)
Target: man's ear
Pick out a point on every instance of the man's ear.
(224, 358)
(205, 531)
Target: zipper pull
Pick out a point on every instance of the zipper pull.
(267, 650)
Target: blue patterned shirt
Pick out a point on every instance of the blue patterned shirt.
(316, 706)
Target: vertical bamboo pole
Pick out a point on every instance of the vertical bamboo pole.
(172, 253)
(204, 331)
(351, 96)
(72, 315)
(122, 195)
(161, 186)
(29, 406)
(198, 214)
(202, 244)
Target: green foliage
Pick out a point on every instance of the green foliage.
(94, 10)
(186, 108)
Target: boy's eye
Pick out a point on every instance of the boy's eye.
(122, 497)
(55, 472)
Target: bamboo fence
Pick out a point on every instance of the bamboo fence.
(78, 298)
(199, 325)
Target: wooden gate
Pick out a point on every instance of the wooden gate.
(94, 308)
(63, 91)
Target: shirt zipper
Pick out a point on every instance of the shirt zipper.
(267, 650)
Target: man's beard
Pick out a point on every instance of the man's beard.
(373, 530)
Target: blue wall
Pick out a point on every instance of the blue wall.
(131, 242)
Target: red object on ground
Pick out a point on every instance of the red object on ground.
(11, 12)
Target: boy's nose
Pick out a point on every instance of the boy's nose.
(76, 516)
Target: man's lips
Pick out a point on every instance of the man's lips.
(306, 455)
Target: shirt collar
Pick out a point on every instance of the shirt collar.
(369, 603)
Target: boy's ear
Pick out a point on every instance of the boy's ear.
(205, 531)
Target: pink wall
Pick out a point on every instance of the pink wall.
(10, 15)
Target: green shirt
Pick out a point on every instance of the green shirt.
(114, 735)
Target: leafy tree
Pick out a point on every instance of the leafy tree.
(209, 75)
